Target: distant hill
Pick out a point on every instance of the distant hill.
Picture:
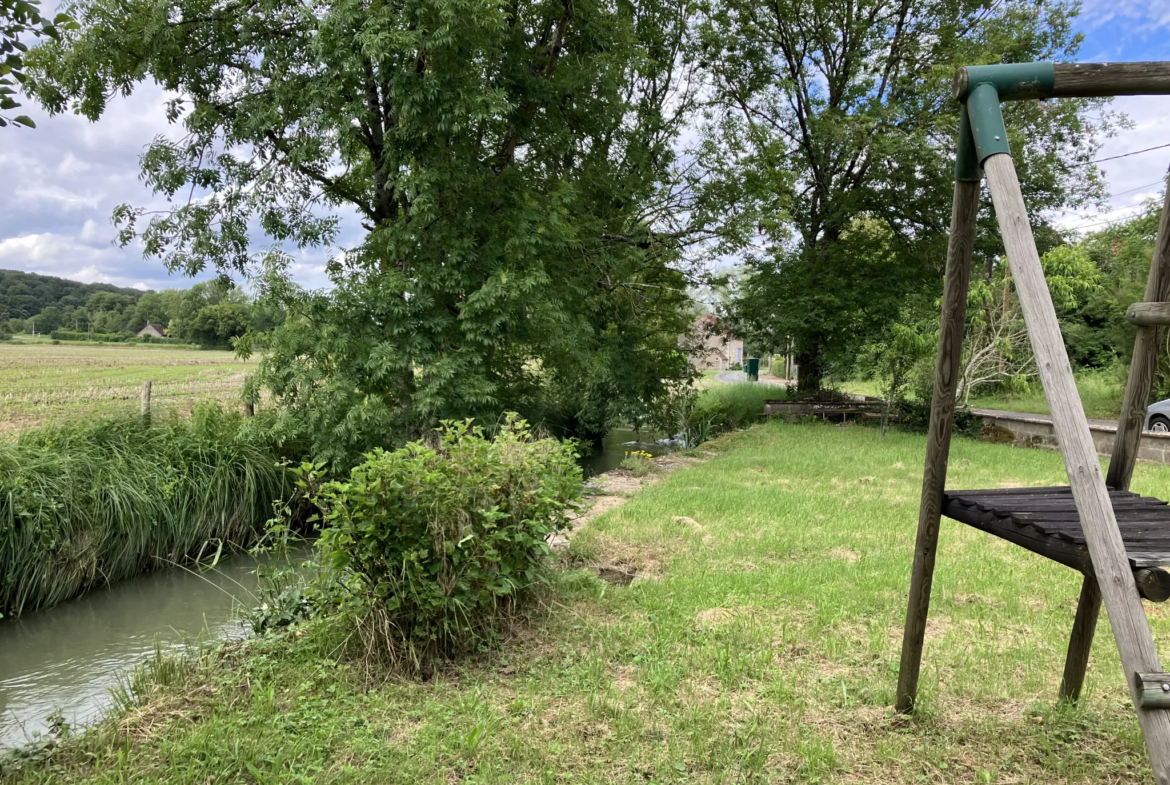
(25, 294)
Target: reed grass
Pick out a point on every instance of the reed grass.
(88, 503)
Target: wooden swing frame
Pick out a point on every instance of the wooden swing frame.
(1085, 509)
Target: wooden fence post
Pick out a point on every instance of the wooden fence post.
(146, 399)
(249, 404)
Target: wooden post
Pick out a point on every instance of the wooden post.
(938, 444)
(1145, 362)
(1125, 448)
(249, 404)
(1131, 629)
(146, 399)
(1080, 643)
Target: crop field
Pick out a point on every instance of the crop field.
(43, 382)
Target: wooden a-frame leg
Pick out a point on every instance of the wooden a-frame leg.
(1125, 449)
(1127, 617)
(1080, 643)
(938, 444)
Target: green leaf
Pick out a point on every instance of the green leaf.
(24, 120)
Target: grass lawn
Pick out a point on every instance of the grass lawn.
(44, 382)
(758, 642)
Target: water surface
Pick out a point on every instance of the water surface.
(66, 658)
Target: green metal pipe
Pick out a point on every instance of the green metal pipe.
(966, 160)
(987, 122)
(1012, 81)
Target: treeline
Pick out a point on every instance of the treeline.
(209, 314)
(23, 295)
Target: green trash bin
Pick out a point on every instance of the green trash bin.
(752, 367)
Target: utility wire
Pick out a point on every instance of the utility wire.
(1127, 155)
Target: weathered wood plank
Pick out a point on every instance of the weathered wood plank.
(1131, 629)
(1092, 80)
(1080, 643)
(1132, 421)
(942, 419)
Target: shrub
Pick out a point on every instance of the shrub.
(70, 335)
(442, 541)
(638, 462)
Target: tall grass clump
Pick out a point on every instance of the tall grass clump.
(733, 406)
(88, 503)
(440, 541)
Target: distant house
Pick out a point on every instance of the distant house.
(153, 330)
(718, 348)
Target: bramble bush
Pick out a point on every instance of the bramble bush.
(441, 541)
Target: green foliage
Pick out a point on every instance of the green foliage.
(637, 462)
(21, 18)
(898, 354)
(838, 117)
(442, 541)
(729, 407)
(23, 295)
(86, 504)
(512, 164)
(69, 335)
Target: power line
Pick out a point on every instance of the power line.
(1140, 187)
(1127, 155)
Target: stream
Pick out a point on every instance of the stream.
(67, 658)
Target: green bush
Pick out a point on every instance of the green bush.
(85, 504)
(440, 542)
(70, 335)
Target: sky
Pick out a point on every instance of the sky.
(63, 180)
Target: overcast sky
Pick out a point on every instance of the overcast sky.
(62, 180)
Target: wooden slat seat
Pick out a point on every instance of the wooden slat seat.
(1045, 521)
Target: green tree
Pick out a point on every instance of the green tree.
(48, 319)
(217, 325)
(837, 110)
(510, 164)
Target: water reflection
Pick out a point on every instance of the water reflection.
(615, 446)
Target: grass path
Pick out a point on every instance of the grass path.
(757, 642)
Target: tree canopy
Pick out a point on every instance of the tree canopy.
(839, 115)
(508, 163)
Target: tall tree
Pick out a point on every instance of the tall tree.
(507, 162)
(840, 112)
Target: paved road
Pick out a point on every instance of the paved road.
(735, 377)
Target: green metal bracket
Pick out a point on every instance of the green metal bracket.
(987, 122)
(1012, 81)
(966, 160)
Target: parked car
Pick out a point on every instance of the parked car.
(1158, 417)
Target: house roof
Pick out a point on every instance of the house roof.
(157, 328)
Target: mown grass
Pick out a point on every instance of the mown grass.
(43, 382)
(88, 503)
(758, 643)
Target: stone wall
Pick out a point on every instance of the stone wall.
(1031, 430)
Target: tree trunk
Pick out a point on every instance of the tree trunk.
(808, 367)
